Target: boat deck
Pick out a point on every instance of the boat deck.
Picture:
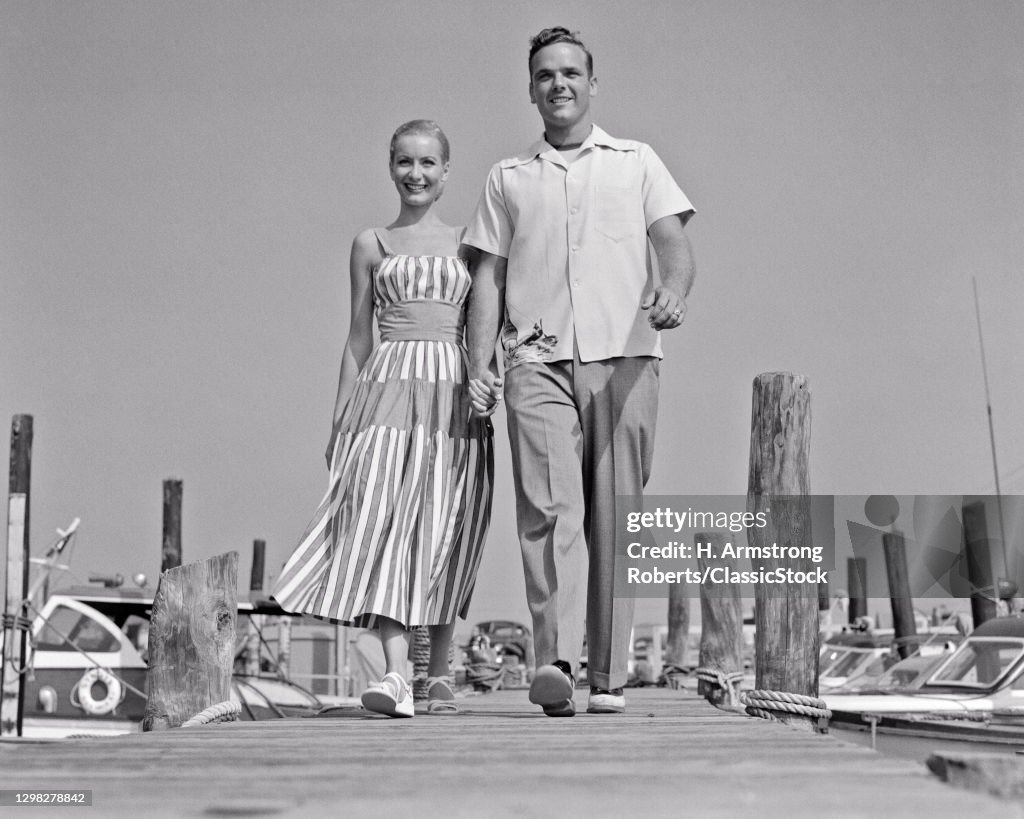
(671, 754)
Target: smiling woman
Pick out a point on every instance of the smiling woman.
(396, 541)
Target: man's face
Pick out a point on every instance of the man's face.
(560, 85)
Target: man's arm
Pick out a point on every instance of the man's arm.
(675, 262)
(483, 322)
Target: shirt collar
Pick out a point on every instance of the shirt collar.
(541, 149)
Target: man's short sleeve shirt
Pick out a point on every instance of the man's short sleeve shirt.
(575, 237)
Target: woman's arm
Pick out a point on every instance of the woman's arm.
(364, 257)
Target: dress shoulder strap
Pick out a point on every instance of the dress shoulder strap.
(383, 242)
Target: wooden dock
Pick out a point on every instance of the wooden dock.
(671, 754)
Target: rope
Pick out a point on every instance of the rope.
(226, 711)
(17, 622)
(715, 676)
(766, 704)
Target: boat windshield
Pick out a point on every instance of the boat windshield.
(845, 665)
(832, 656)
(979, 663)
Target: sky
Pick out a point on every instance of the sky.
(180, 184)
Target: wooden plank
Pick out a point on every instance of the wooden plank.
(500, 757)
(191, 641)
(998, 774)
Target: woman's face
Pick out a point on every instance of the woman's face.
(418, 169)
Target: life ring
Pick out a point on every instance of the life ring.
(87, 702)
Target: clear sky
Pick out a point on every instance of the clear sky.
(180, 184)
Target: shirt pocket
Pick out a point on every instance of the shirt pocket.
(618, 212)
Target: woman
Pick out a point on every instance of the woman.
(396, 541)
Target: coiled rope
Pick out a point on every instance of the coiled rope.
(767, 704)
(226, 711)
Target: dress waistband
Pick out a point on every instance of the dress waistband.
(422, 320)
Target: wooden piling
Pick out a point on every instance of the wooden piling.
(678, 625)
(979, 563)
(255, 623)
(899, 592)
(721, 625)
(191, 641)
(171, 551)
(786, 614)
(857, 580)
(16, 614)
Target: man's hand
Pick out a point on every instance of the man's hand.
(668, 309)
(484, 394)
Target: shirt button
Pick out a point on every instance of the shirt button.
(575, 282)
(573, 210)
(575, 248)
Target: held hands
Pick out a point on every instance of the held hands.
(668, 309)
(484, 394)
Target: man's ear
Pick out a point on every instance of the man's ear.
(593, 86)
(533, 98)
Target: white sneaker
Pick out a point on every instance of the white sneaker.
(603, 701)
(391, 696)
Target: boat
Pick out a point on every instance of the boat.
(973, 694)
(85, 667)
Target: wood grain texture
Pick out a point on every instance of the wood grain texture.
(779, 485)
(671, 754)
(191, 640)
(721, 615)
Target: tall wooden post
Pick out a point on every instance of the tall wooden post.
(191, 641)
(721, 626)
(678, 625)
(16, 619)
(171, 551)
(857, 580)
(899, 592)
(779, 487)
(255, 625)
(979, 563)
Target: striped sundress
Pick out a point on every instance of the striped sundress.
(401, 529)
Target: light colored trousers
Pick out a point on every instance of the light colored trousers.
(580, 433)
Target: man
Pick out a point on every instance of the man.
(562, 233)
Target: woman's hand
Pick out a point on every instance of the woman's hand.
(484, 394)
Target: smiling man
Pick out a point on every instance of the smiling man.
(563, 272)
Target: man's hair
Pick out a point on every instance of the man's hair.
(558, 34)
(421, 127)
